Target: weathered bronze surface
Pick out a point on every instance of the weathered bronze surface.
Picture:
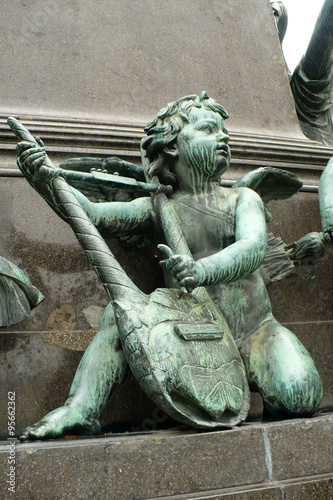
(17, 295)
(312, 80)
(214, 242)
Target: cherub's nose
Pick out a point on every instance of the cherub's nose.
(223, 137)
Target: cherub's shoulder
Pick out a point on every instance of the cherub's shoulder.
(245, 193)
(237, 193)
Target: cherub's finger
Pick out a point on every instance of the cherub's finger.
(39, 141)
(38, 162)
(32, 157)
(164, 249)
(171, 262)
(290, 246)
(182, 264)
(181, 271)
(188, 283)
(28, 153)
(22, 146)
(185, 273)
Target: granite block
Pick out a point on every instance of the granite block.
(296, 299)
(45, 247)
(146, 466)
(125, 60)
(314, 488)
(310, 490)
(41, 373)
(283, 460)
(265, 493)
(301, 447)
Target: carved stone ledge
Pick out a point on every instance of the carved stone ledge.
(66, 138)
(290, 459)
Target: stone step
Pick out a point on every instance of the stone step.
(279, 460)
(318, 487)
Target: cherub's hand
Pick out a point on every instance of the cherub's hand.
(31, 158)
(308, 249)
(187, 271)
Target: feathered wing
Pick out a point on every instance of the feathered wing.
(112, 165)
(272, 184)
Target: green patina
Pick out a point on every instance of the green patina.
(214, 242)
(17, 294)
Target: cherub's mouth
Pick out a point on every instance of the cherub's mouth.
(223, 149)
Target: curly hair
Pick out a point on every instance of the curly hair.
(165, 127)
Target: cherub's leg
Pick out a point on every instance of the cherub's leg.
(282, 370)
(102, 368)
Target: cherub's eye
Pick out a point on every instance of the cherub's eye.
(207, 130)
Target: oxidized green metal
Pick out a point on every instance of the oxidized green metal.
(312, 80)
(197, 380)
(181, 344)
(326, 199)
(17, 294)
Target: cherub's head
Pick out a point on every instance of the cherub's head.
(190, 130)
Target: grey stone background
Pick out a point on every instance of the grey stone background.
(125, 60)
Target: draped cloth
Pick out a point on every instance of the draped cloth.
(313, 100)
(17, 295)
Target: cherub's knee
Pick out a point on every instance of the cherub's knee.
(282, 370)
(299, 395)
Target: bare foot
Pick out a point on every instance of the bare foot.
(59, 422)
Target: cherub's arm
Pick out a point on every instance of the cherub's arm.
(233, 262)
(313, 246)
(118, 217)
(248, 252)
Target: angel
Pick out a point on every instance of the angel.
(214, 242)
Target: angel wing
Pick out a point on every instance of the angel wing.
(103, 191)
(271, 184)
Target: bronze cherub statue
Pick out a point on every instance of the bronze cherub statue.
(186, 343)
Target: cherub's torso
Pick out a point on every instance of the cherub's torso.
(207, 220)
(209, 223)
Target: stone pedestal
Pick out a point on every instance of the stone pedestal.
(289, 460)
(123, 61)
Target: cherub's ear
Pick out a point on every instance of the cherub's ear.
(171, 149)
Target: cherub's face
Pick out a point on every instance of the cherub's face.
(202, 144)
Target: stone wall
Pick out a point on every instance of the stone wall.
(125, 60)
(290, 460)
